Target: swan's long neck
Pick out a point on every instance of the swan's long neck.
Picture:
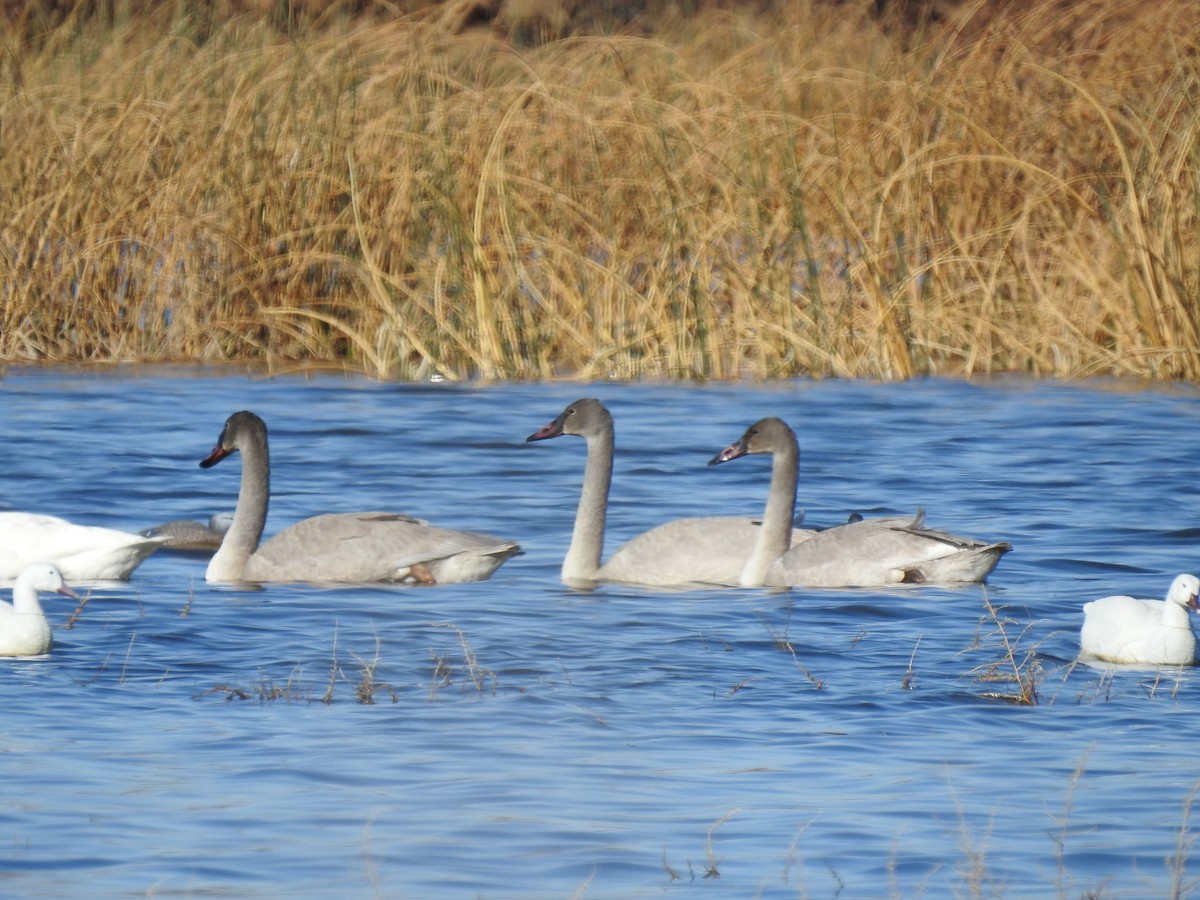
(775, 536)
(587, 540)
(250, 516)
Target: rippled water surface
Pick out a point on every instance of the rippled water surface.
(527, 740)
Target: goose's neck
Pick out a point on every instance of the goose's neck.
(775, 536)
(587, 540)
(1176, 615)
(25, 600)
(249, 518)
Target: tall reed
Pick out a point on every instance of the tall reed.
(797, 192)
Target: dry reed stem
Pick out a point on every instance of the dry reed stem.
(187, 607)
(263, 692)
(443, 671)
(70, 623)
(711, 863)
(367, 687)
(128, 654)
(1024, 672)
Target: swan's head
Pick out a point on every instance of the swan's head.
(1185, 590)
(764, 436)
(584, 417)
(45, 577)
(220, 522)
(239, 430)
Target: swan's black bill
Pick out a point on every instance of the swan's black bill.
(733, 451)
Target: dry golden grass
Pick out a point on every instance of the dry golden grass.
(800, 193)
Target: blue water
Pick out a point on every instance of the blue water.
(526, 740)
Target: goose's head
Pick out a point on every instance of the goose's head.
(46, 577)
(1185, 590)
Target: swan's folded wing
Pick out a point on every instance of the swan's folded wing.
(375, 547)
(883, 551)
(702, 550)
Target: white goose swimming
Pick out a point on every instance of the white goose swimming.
(24, 630)
(708, 550)
(81, 552)
(1122, 629)
(868, 552)
(359, 547)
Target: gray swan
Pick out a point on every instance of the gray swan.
(691, 551)
(868, 552)
(359, 547)
(188, 534)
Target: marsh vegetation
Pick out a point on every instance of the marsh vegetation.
(731, 193)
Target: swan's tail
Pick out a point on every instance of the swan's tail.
(973, 564)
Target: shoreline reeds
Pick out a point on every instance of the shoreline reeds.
(797, 192)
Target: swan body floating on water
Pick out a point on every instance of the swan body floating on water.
(707, 550)
(862, 552)
(1122, 629)
(358, 547)
(24, 630)
(188, 534)
(81, 552)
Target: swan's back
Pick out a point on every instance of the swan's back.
(188, 534)
(704, 550)
(376, 547)
(884, 551)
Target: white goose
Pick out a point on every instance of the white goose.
(356, 547)
(860, 553)
(81, 552)
(24, 630)
(710, 550)
(1123, 629)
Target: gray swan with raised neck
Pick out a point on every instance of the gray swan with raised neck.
(359, 547)
(682, 552)
(869, 552)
